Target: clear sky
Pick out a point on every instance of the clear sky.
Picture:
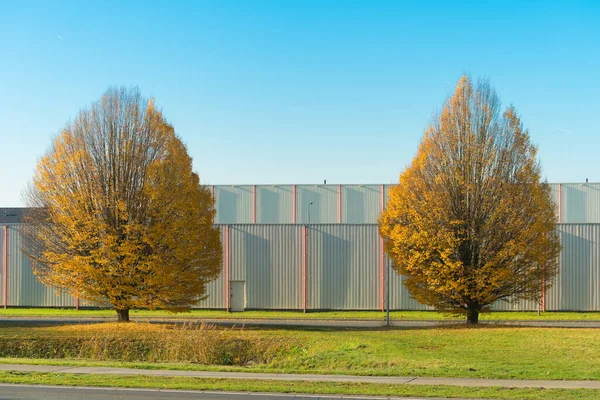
(298, 92)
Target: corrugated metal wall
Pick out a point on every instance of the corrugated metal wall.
(579, 202)
(234, 204)
(400, 298)
(342, 267)
(268, 259)
(275, 204)
(343, 270)
(216, 289)
(359, 204)
(324, 207)
(23, 287)
(578, 284)
(2, 260)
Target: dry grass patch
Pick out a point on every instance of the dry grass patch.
(192, 343)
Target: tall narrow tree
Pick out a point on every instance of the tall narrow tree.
(121, 215)
(470, 221)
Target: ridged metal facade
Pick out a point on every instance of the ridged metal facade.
(342, 267)
(275, 204)
(267, 258)
(234, 204)
(359, 204)
(343, 270)
(579, 202)
(216, 289)
(578, 284)
(324, 207)
(23, 287)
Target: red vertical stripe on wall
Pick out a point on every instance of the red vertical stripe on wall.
(226, 268)
(304, 287)
(5, 265)
(559, 202)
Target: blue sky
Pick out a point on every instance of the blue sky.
(298, 92)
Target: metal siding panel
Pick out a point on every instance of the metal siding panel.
(578, 282)
(343, 270)
(216, 289)
(2, 265)
(580, 203)
(400, 298)
(361, 204)
(274, 204)
(215, 292)
(343, 267)
(324, 207)
(24, 289)
(233, 204)
(269, 259)
(240, 246)
(509, 305)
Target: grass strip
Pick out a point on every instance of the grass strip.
(458, 351)
(372, 315)
(297, 387)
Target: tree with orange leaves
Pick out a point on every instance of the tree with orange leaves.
(470, 221)
(121, 217)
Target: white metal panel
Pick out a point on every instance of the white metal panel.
(361, 204)
(343, 268)
(324, 207)
(580, 203)
(215, 290)
(268, 258)
(577, 286)
(400, 298)
(24, 289)
(2, 227)
(275, 204)
(234, 204)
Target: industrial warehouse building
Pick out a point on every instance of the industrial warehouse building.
(317, 247)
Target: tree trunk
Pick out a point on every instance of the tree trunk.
(123, 315)
(473, 317)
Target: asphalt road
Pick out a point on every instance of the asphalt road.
(32, 392)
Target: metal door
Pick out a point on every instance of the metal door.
(238, 295)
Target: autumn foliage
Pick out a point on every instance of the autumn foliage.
(122, 217)
(470, 221)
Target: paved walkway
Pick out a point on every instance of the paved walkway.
(548, 384)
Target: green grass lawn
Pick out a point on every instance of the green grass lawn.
(293, 387)
(455, 351)
(372, 315)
